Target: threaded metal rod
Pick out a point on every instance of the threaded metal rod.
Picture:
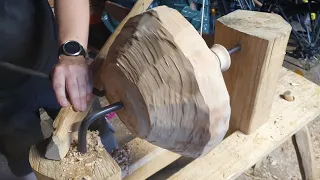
(234, 49)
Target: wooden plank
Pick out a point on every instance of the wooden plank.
(251, 79)
(239, 152)
(139, 7)
(147, 159)
(66, 127)
(306, 157)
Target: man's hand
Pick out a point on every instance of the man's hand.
(72, 82)
(71, 75)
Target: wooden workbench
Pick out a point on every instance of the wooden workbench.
(238, 152)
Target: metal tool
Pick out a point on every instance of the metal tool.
(82, 133)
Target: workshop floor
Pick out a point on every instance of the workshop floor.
(281, 164)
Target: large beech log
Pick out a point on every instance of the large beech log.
(170, 83)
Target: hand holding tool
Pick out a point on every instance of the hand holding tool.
(59, 144)
(66, 124)
(34, 73)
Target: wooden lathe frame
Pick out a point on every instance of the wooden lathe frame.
(238, 151)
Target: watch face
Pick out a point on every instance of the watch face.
(72, 48)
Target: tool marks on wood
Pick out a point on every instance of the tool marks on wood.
(139, 7)
(170, 83)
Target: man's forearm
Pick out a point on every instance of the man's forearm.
(73, 18)
(71, 75)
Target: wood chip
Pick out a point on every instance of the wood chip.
(122, 157)
(287, 96)
(294, 84)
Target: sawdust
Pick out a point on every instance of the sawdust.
(122, 157)
(78, 166)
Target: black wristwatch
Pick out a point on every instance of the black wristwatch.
(72, 48)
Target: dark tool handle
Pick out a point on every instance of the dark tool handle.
(82, 134)
(24, 70)
(39, 74)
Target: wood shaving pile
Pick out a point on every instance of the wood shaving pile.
(78, 166)
(122, 157)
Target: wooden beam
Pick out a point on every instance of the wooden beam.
(251, 80)
(239, 152)
(306, 157)
(147, 159)
(65, 127)
(173, 92)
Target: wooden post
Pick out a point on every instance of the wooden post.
(170, 83)
(252, 78)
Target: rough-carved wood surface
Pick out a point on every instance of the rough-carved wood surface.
(139, 7)
(170, 83)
